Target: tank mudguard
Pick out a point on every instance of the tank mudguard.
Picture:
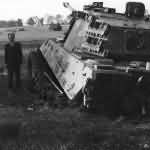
(70, 72)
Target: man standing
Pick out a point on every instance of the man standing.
(13, 61)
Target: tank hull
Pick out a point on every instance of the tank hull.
(113, 90)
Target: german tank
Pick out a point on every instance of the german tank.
(104, 58)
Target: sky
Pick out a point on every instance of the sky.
(13, 9)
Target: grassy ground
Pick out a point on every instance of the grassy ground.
(45, 128)
(42, 127)
(30, 37)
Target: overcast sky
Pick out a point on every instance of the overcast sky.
(13, 9)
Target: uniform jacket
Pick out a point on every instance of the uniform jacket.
(13, 55)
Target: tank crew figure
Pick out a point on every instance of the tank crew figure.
(13, 61)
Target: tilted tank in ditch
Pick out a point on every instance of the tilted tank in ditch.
(104, 57)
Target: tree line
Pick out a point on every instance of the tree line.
(30, 21)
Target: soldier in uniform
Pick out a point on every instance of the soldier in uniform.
(13, 61)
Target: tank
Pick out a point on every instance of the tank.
(103, 60)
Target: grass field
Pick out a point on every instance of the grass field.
(30, 37)
(46, 128)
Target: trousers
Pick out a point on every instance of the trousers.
(14, 73)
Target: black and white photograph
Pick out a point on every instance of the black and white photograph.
(75, 75)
